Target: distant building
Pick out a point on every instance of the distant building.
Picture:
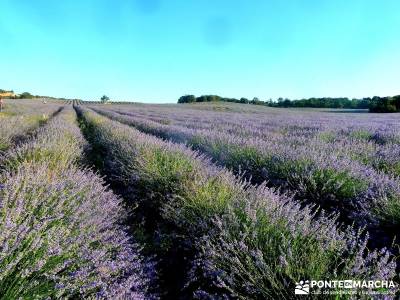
(7, 95)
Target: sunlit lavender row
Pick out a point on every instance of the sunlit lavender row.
(372, 140)
(59, 225)
(262, 121)
(226, 237)
(359, 192)
(17, 119)
(210, 201)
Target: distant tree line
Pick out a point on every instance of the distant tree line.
(24, 95)
(374, 104)
(27, 95)
(5, 91)
(385, 104)
(214, 98)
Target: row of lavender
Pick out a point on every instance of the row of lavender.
(261, 123)
(374, 141)
(18, 118)
(234, 240)
(59, 232)
(360, 193)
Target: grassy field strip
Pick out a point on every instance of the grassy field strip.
(237, 240)
(59, 232)
(359, 193)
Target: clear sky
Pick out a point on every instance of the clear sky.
(158, 50)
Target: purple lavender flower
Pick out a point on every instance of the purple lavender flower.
(249, 241)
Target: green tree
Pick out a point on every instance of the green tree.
(104, 99)
(385, 104)
(26, 95)
(187, 99)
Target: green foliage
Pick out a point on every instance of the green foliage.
(26, 95)
(376, 104)
(104, 99)
(325, 102)
(389, 213)
(327, 136)
(385, 104)
(187, 99)
(361, 135)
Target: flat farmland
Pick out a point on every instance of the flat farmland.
(203, 201)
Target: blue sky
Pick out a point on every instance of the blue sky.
(158, 50)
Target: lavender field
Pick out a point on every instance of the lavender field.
(194, 201)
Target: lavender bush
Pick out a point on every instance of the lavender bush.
(251, 243)
(359, 137)
(59, 238)
(59, 143)
(59, 226)
(313, 172)
(18, 119)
